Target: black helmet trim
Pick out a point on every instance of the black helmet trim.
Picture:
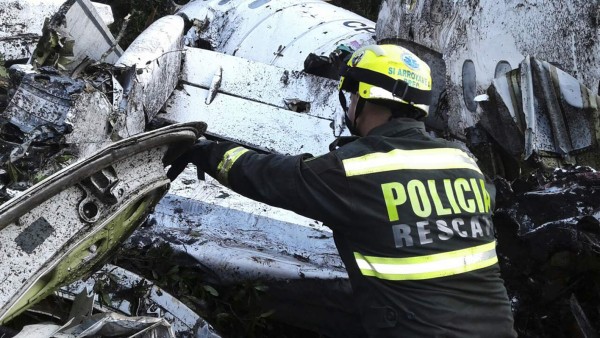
(398, 88)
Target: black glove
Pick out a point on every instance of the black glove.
(197, 155)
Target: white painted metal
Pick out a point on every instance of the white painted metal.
(156, 54)
(23, 20)
(24, 266)
(48, 228)
(105, 13)
(251, 123)
(252, 103)
(238, 239)
(565, 33)
(22, 23)
(93, 38)
(281, 32)
(256, 81)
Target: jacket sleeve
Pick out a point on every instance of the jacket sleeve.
(312, 187)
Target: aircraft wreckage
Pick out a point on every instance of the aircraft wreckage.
(82, 155)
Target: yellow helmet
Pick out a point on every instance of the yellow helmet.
(387, 72)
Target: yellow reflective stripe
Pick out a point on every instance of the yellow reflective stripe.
(398, 159)
(227, 162)
(431, 266)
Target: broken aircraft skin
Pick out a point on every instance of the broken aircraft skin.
(23, 20)
(126, 293)
(246, 29)
(64, 227)
(480, 41)
(302, 257)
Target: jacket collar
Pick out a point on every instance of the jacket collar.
(399, 127)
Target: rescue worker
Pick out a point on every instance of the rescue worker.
(410, 214)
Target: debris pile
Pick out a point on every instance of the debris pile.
(549, 242)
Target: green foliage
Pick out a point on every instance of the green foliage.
(234, 310)
(143, 14)
(14, 174)
(367, 8)
(3, 72)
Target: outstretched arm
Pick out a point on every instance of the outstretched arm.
(313, 187)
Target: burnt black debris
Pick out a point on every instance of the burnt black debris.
(549, 245)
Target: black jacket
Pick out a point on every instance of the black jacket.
(411, 218)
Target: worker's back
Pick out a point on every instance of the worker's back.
(418, 240)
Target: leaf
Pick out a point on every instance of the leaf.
(195, 233)
(174, 270)
(261, 288)
(64, 158)
(266, 314)
(211, 290)
(113, 278)
(3, 72)
(13, 172)
(223, 316)
(105, 298)
(38, 178)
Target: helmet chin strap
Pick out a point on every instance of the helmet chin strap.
(360, 104)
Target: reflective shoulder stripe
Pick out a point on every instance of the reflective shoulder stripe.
(427, 267)
(398, 159)
(227, 162)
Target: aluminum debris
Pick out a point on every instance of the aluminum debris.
(248, 29)
(23, 20)
(548, 119)
(124, 292)
(156, 55)
(65, 226)
(250, 87)
(104, 325)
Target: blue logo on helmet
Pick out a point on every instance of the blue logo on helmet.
(410, 61)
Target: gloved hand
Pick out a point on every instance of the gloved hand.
(197, 155)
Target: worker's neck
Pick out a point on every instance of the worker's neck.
(371, 117)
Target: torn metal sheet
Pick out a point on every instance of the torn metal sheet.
(253, 29)
(255, 103)
(23, 20)
(64, 227)
(545, 113)
(480, 41)
(52, 120)
(239, 239)
(124, 292)
(74, 35)
(104, 325)
(229, 119)
(156, 55)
